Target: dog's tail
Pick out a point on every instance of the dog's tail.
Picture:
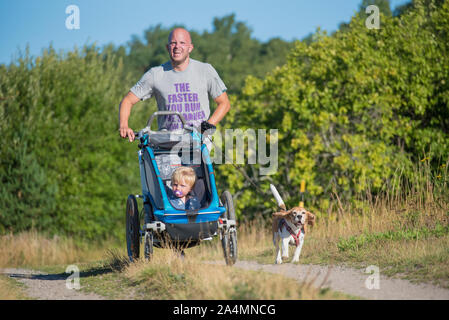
(278, 198)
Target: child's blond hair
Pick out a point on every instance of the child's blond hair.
(184, 173)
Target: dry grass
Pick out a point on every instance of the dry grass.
(31, 249)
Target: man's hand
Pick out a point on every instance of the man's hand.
(207, 128)
(127, 132)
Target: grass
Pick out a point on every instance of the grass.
(11, 289)
(32, 249)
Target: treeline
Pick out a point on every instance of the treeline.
(351, 108)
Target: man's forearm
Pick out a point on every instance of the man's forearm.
(125, 109)
(124, 112)
(223, 108)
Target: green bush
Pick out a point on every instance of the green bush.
(62, 166)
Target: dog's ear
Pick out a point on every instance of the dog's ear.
(310, 218)
(282, 213)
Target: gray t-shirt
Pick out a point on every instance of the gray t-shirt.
(183, 91)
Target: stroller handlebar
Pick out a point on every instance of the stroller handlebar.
(166, 113)
(147, 130)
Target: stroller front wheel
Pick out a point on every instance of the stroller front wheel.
(229, 236)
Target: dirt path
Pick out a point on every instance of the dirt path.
(44, 286)
(352, 281)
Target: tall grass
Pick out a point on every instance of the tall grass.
(32, 249)
(419, 202)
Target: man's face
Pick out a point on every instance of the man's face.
(179, 46)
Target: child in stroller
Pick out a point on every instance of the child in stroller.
(182, 182)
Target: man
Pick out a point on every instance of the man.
(181, 84)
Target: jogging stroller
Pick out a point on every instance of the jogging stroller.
(163, 226)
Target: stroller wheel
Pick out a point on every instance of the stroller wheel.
(229, 236)
(132, 228)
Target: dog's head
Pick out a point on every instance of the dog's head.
(301, 216)
(298, 216)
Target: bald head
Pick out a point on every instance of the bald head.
(180, 33)
(179, 47)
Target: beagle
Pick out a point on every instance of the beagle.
(289, 228)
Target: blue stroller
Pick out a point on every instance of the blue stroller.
(164, 226)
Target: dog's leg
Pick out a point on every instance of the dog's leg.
(276, 239)
(285, 241)
(298, 248)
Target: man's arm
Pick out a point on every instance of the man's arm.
(223, 107)
(124, 111)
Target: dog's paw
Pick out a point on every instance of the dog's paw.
(295, 260)
(278, 261)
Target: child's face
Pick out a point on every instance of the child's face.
(182, 187)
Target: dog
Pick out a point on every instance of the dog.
(289, 228)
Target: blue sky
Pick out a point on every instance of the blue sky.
(41, 22)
